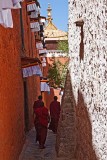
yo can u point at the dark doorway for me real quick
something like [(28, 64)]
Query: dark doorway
[(26, 108)]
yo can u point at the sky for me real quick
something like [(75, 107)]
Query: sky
[(59, 12)]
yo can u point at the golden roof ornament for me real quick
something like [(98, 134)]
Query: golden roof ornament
[(49, 13), (51, 31)]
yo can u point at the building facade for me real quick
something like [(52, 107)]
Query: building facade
[(19, 87)]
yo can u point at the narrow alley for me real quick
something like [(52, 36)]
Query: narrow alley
[(53, 80), (31, 149), (60, 146)]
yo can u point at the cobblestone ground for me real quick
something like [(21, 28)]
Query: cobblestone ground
[(31, 149)]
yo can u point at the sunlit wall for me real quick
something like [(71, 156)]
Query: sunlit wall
[(89, 74)]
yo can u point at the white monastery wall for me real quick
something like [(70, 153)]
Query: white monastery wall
[(89, 75)]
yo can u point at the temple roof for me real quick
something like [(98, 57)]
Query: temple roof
[(55, 35), (50, 26), (51, 32)]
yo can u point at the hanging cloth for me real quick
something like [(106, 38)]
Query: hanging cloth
[(15, 2), (32, 7), (42, 51), (0, 5), (37, 70), (34, 14), (5, 12), (6, 4), (45, 87), (25, 72), (33, 70), (35, 27), (43, 62), (9, 4), (6, 18), (39, 45)]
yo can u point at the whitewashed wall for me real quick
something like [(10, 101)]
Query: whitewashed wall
[(90, 75)]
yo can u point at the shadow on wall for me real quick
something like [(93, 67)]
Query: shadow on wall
[(66, 143), (84, 146)]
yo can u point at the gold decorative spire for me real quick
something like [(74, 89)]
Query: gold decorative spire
[(49, 13), (51, 31)]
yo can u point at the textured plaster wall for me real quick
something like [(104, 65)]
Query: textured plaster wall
[(29, 47), (12, 121), (89, 76), (33, 84), (11, 92), (29, 50)]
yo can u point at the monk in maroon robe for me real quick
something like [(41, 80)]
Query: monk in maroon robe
[(41, 123), (37, 103), (54, 114)]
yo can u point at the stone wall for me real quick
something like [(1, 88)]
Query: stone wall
[(87, 25), (66, 135)]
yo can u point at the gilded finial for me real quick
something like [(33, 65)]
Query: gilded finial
[(49, 13)]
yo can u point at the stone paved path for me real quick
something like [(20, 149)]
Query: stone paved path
[(31, 150)]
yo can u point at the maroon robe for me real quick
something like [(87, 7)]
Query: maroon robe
[(37, 104), (41, 123), (54, 113)]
